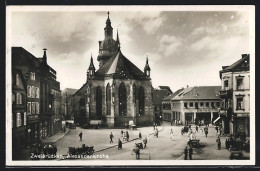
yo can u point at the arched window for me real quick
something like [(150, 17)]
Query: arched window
[(141, 101), (82, 102), (108, 99), (99, 101), (122, 100), (134, 93)]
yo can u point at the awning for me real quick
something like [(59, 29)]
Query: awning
[(216, 120)]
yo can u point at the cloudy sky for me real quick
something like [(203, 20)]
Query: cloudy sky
[(184, 47)]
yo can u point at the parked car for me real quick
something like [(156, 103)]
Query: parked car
[(86, 126), (72, 126), (236, 150)]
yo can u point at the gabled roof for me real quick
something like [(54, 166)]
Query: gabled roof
[(172, 95), (242, 64), (119, 65), (199, 93), (166, 87), (158, 95)]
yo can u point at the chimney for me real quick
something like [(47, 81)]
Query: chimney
[(244, 55), (44, 55)]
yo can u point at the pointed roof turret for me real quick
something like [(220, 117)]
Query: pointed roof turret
[(44, 55), (147, 68), (108, 22), (117, 38), (91, 66)]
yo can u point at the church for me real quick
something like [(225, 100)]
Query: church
[(117, 92)]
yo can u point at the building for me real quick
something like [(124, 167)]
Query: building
[(158, 95), (118, 92), (43, 94), (19, 116), (193, 105), (66, 105), (235, 93), (167, 114)]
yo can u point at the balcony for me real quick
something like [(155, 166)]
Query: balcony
[(225, 94)]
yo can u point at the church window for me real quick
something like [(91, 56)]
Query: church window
[(108, 99), (99, 101), (122, 100), (141, 101), (134, 93)]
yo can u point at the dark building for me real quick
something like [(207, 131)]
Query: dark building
[(43, 94), (235, 93), (19, 116), (118, 92), (66, 105), (158, 95)]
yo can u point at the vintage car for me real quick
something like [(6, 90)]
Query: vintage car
[(83, 150), (72, 126), (49, 150)]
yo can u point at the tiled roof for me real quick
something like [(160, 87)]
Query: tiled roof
[(167, 88), (234, 65), (172, 95), (118, 64), (201, 92), (158, 95)]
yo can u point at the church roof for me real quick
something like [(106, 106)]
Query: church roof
[(120, 66)]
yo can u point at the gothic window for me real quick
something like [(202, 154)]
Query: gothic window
[(122, 100), (134, 93), (99, 101), (108, 99), (82, 102), (141, 101)]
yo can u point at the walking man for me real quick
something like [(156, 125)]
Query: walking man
[(140, 135), (186, 153), (197, 128), (190, 153), (119, 144), (80, 136), (145, 142), (171, 134), (127, 135), (219, 143), (111, 137), (206, 133)]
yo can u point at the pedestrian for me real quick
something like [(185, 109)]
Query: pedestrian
[(218, 143), (140, 135), (111, 137), (171, 134), (119, 144), (80, 136), (153, 126), (190, 152), (145, 142), (137, 152), (127, 135), (206, 133), (197, 128), (186, 153), (122, 132)]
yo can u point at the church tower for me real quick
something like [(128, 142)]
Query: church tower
[(147, 69), (91, 68), (108, 47)]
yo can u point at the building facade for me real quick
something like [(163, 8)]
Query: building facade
[(193, 105), (66, 103), (42, 102), (19, 115), (235, 93), (118, 92)]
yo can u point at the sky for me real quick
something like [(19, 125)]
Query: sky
[(183, 47)]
